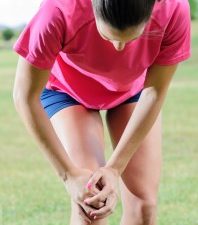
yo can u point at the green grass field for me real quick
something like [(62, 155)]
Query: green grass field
[(31, 193)]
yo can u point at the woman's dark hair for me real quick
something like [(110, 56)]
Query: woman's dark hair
[(122, 14)]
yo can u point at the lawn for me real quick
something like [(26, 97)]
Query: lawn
[(31, 193)]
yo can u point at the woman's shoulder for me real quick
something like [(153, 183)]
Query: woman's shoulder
[(165, 10), (75, 13), (72, 14), (168, 7), (75, 10)]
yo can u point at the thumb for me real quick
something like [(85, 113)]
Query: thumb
[(91, 184)]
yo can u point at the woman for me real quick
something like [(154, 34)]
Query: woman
[(79, 57)]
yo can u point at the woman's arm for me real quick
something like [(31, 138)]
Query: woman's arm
[(143, 118), (29, 82), (144, 115)]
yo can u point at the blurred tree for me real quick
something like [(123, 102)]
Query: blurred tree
[(7, 34), (194, 8)]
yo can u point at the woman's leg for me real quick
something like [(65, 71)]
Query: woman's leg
[(140, 180), (81, 132)]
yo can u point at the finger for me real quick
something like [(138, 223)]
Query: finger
[(88, 209), (102, 217), (100, 197), (107, 209), (97, 205), (83, 214), (94, 180)]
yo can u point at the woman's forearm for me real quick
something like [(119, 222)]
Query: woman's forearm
[(144, 116), (38, 124)]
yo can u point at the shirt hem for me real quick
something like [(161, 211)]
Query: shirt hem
[(94, 107), (22, 52), (175, 60)]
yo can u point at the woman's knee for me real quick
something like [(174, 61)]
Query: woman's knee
[(139, 209), (142, 212), (149, 211)]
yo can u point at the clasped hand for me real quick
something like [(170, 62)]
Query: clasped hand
[(95, 193)]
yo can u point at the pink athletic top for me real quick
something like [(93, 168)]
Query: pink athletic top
[(63, 37)]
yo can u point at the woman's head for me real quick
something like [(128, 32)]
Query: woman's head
[(118, 20)]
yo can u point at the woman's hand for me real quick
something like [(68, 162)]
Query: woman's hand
[(76, 187), (107, 178)]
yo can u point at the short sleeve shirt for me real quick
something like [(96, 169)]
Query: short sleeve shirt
[(62, 37)]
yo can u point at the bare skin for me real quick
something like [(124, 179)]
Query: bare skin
[(140, 180)]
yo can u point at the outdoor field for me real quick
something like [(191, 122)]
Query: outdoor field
[(32, 194)]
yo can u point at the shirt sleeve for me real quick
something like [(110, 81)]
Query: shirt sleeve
[(43, 37), (176, 43)]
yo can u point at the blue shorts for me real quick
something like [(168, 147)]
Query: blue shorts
[(53, 101)]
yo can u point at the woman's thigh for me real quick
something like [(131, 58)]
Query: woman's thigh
[(140, 179), (80, 130)]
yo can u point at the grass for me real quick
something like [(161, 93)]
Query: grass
[(30, 192)]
